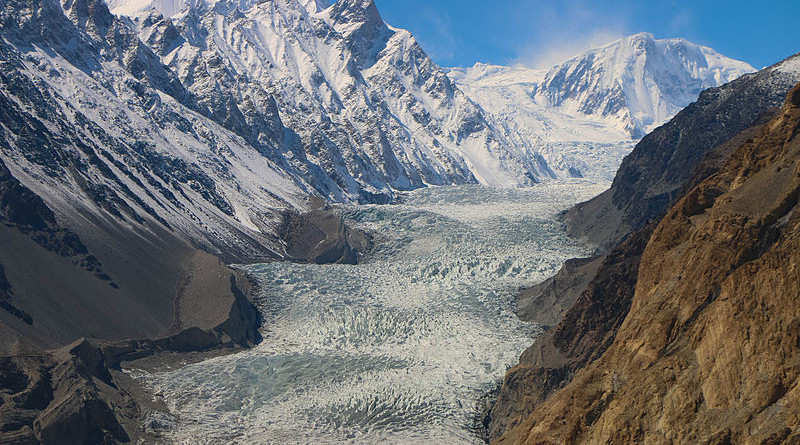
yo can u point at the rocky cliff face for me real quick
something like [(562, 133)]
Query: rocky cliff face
[(591, 322), (707, 351), (650, 177), (582, 334)]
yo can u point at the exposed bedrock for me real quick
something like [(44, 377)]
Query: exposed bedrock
[(708, 350), (666, 166), (322, 237)]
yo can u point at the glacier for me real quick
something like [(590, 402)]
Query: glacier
[(399, 349)]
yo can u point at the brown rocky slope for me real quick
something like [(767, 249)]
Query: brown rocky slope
[(598, 293), (710, 350), (585, 332), (651, 177)]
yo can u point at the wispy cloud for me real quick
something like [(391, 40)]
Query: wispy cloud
[(444, 42), (555, 51), (560, 30), (682, 21)]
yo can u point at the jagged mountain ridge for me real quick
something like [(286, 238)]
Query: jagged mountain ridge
[(366, 111), (588, 111), (633, 84), (336, 97)]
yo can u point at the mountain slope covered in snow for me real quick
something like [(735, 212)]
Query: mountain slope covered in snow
[(587, 110), (357, 110), (336, 97), (96, 125), (215, 120)]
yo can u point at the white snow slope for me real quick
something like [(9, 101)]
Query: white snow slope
[(94, 124), (588, 111)]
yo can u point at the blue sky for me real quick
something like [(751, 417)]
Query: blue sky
[(540, 33)]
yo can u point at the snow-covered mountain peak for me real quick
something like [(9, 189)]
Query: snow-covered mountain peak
[(172, 8), (357, 10), (349, 106), (167, 8), (609, 95), (644, 36), (789, 65), (639, 80), (353, 14), (355, 109), (361, 25)]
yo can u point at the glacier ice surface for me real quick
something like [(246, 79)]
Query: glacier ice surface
[(399, 349)]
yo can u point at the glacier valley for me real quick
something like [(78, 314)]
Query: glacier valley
[(398, 349)]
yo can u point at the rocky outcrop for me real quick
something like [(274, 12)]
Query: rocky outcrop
[(321, 237), (707, 351), (547, 302), (650, 178), (64, 397)]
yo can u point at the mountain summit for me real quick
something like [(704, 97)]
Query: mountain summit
[(639, 80), (356, 110), (348, 106), (586, 111)]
